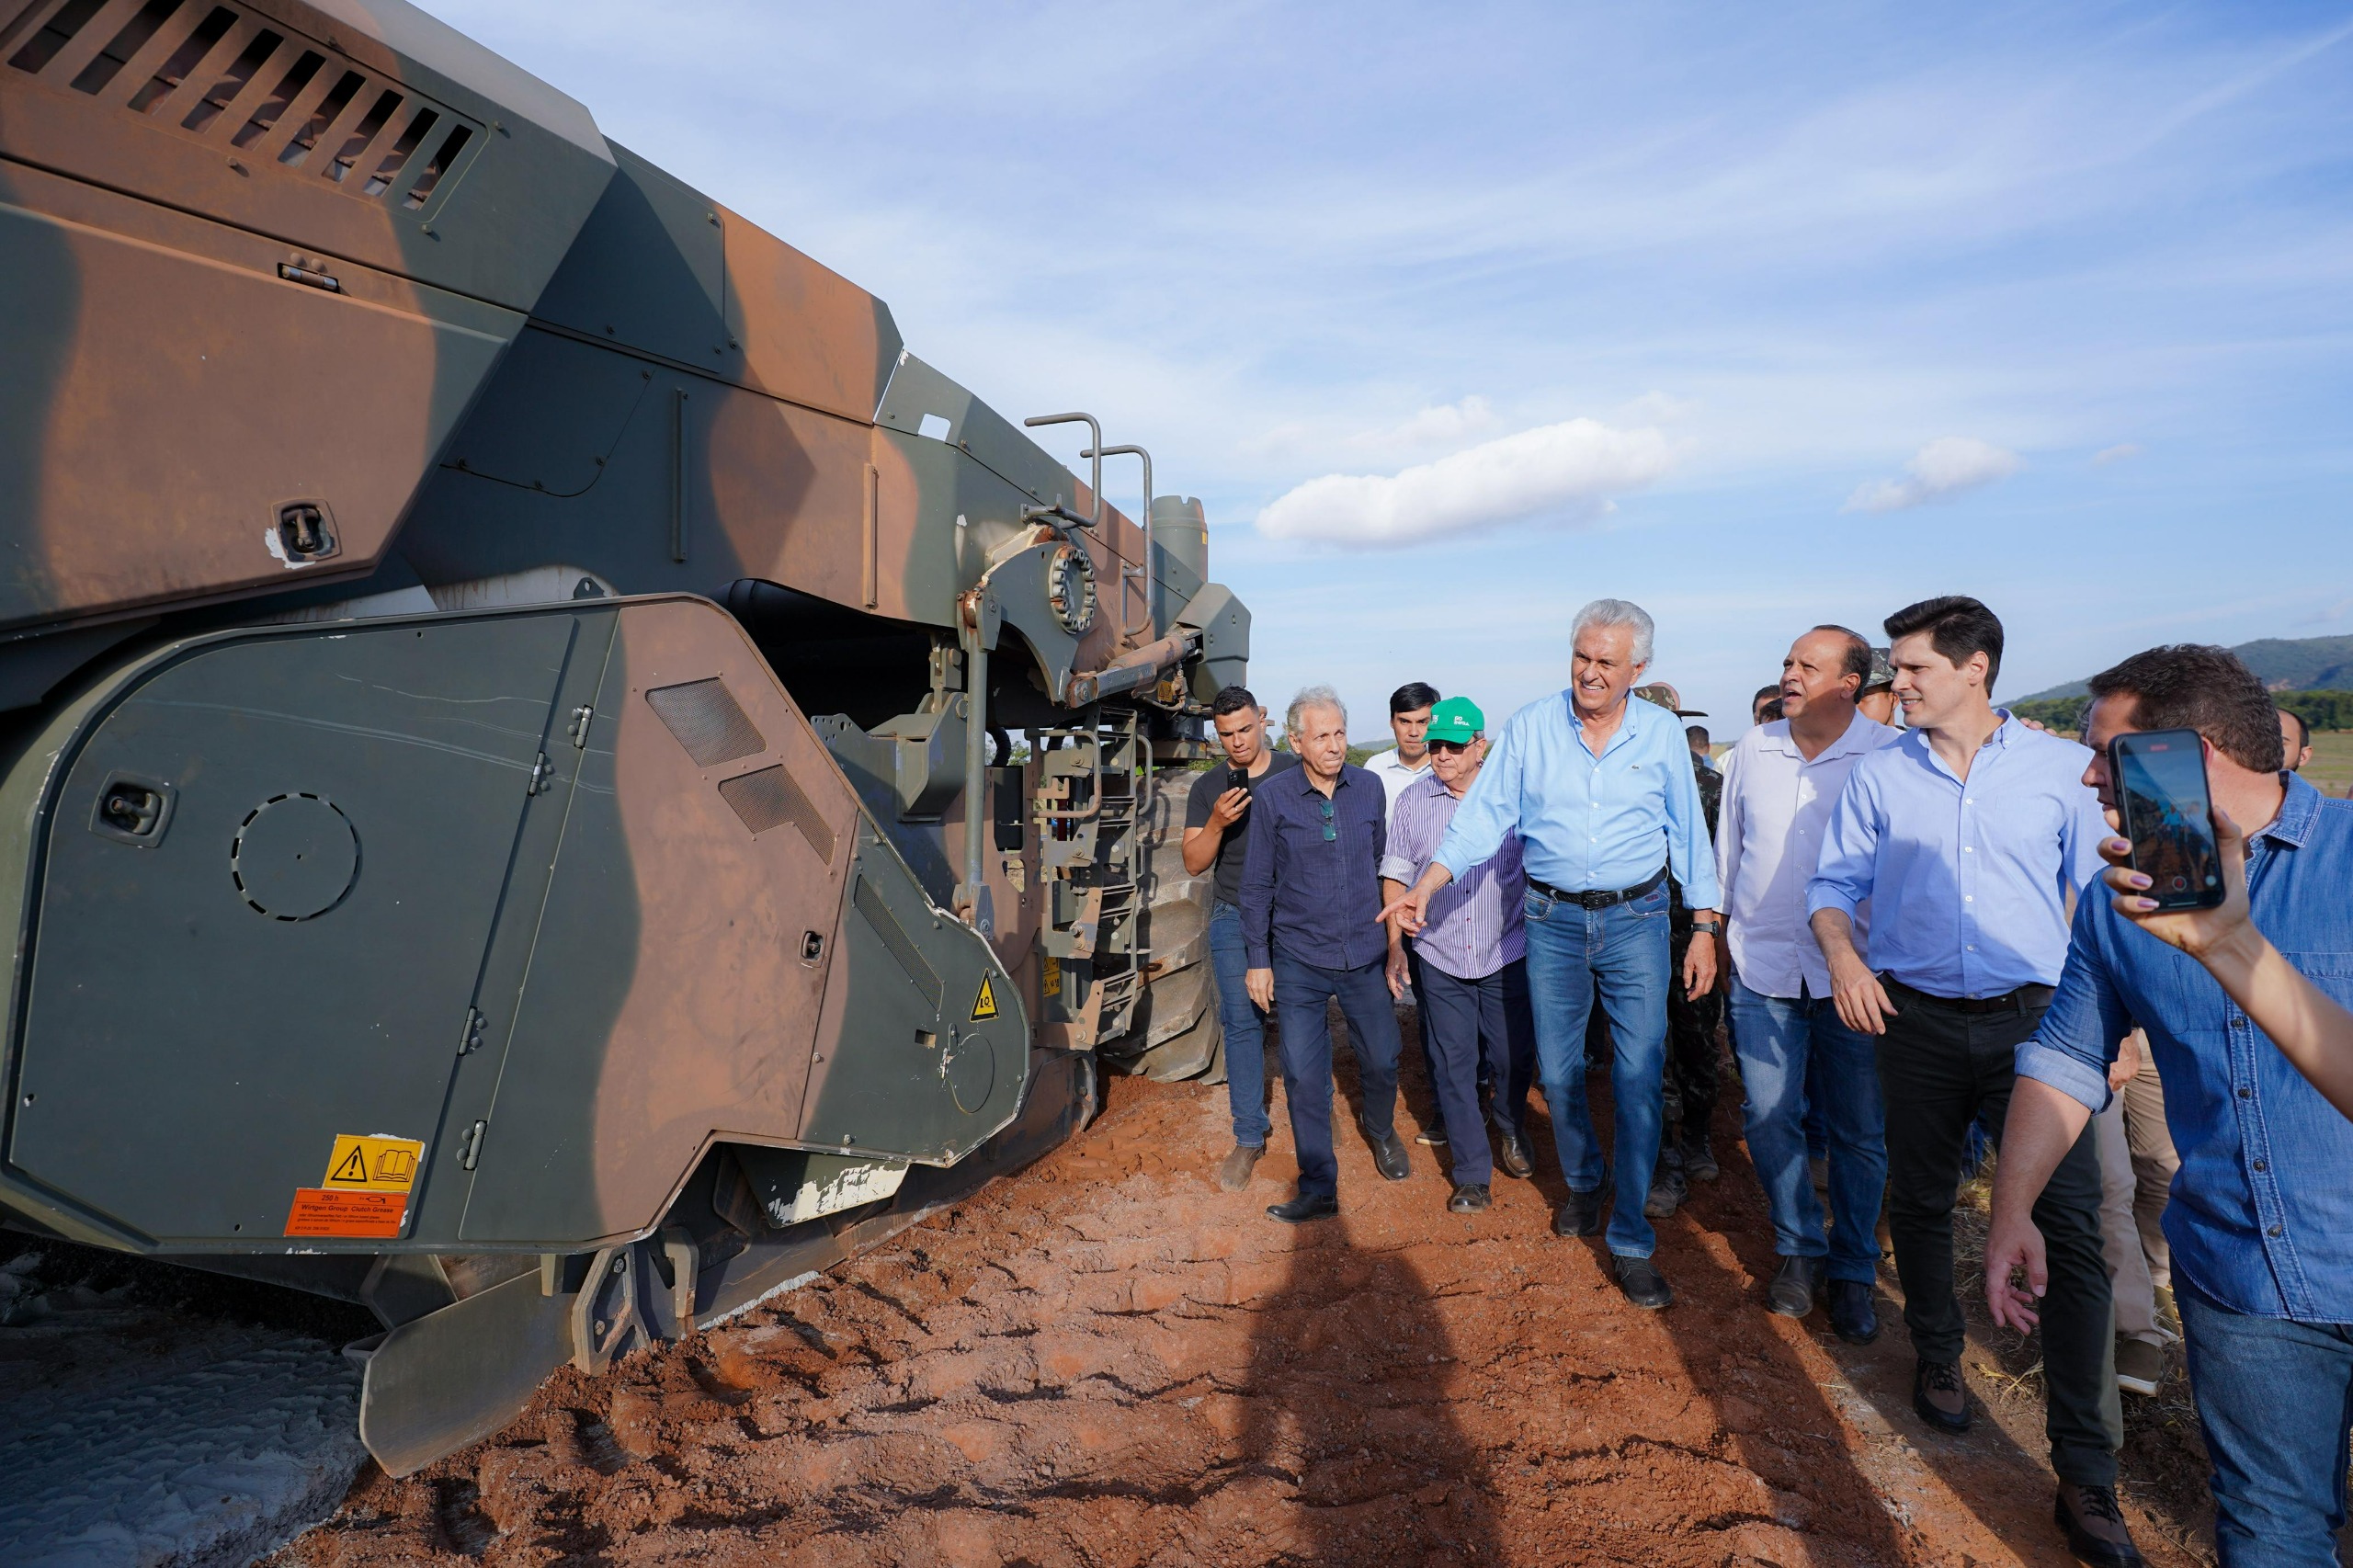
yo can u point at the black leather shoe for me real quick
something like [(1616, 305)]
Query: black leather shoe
[(1700, 1160), (1581, 1215), (1303, 1209), (1388, 1153), (1644, 1285), (1853, 1315), (1667, 1193), (1511, 1155), (2094, 1525), (1791, 1293), (1469, 1197), (1938, 1396)]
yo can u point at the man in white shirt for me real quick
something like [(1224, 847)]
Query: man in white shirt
[(1782, 780), (1408, 761)]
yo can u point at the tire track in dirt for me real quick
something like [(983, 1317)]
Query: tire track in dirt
[(1105, 1360)]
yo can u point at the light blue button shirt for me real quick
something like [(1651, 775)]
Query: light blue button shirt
[(1968, 882), (1588, 824)]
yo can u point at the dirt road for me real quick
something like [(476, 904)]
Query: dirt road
[(1105, 1360)]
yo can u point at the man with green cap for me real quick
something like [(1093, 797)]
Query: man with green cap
[(1473, 963)]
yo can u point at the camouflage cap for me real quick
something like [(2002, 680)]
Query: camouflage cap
[(1882, 675), (1666, 697)]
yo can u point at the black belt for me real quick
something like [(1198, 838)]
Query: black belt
[(2018, 1001), (1599, 900)]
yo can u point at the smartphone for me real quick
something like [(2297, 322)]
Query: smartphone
[(2159, 778), (1237, 778)]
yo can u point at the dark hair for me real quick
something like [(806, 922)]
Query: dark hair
[(1957, 625), (1412, 695), (2303, 731), (1696, 732), (1764, 691), (1233, 699), (1771, 713), (2193, 685), (1858, 654)]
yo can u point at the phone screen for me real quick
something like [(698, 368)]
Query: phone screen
[(2161, 793)]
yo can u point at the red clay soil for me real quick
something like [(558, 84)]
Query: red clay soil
[(1105, 1360)]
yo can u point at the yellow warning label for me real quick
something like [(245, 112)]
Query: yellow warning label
[(984, 1004), (1049, 975), (371, 1163)]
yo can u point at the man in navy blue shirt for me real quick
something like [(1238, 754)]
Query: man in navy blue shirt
[(1311, 900), (2261, 1216)]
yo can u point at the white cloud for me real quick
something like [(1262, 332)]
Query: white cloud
[(1571, 468), (2116, 454), (1444, 424), (1938, 471)]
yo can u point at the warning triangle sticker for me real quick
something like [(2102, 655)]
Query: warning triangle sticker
[(353, 1168), (984, 1004)]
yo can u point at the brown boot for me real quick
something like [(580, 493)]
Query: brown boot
[(1233, 1172)]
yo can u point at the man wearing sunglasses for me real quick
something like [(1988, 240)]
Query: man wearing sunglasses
[(1474, 972), (1311, 898)]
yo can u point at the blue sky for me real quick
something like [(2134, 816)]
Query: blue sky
[(1456, 317)]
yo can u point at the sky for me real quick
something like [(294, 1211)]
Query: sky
[(1456, 317)]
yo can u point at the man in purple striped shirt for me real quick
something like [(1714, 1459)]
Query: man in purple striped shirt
[(1474, 960)]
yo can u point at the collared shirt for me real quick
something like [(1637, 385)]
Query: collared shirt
[(1968, 882), (1776, 812), (1394, 776), (1310, 881), (2261, 1212), (1588, 824), (1473, 927)]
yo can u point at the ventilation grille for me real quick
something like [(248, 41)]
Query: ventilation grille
[(706, 722), (886, 925), (768, 799), (239, 81)]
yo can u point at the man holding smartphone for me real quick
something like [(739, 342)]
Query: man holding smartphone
[(1217, 832), (2261, 1221), (1968, 835)]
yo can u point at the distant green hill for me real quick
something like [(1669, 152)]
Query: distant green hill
[(2300, 663)]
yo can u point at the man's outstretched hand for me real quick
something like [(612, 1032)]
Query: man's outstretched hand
[(1410, 908)]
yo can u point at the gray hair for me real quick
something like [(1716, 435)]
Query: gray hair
[(1314, 697), (1617, 612)]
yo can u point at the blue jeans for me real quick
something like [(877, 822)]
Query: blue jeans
[(1301, 992), (1245, 1027), (1796, 1052), (2274, 1398), (1625, 948)]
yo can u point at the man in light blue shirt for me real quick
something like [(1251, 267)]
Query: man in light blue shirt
[(1600, 793), (1967, 836)]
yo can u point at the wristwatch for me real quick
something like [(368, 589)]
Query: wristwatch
[(1710, 926)]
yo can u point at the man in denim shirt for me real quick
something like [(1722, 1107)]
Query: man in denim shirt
[(2261, 1218), (1310, 898)]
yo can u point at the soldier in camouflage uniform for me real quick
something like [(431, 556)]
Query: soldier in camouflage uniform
[(1693, 1071)]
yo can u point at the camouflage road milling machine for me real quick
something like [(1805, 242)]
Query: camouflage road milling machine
[(506, 676)]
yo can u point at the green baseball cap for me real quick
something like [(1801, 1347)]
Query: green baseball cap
[(1457, 720)]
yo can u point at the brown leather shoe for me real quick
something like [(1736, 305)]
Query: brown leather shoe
[(1233, 1171), (2095, 1527)]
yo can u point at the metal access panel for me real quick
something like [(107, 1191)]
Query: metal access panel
[(272, 863)]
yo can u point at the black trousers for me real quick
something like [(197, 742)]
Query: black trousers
[(1939, 1069), (1471, 1028), (1694, 1065)]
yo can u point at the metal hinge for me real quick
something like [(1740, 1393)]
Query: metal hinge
[(470, 1145), (540, 771), (582, 717), (470, 1037)]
